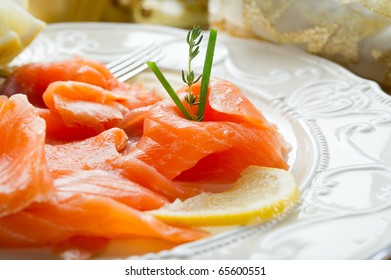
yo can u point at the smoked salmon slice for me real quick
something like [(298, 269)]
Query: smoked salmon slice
[(56, 129), (214, 150), (84, 105), (102, 152), (34, 78), (84, 98), (88, 154), (24, 173), (146, 175), (79, 109), (106, 184), (80, 214)]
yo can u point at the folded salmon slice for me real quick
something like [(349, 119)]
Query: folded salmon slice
[(80, 214), (146, 175), (233, 135), (79, 109), (24, 173), (33, 79), (84, 105), (106, 184), (91, 153), (82, 94), (56, 129), (103, 152)]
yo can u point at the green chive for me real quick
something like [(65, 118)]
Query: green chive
[(206, 74), (168, 88)]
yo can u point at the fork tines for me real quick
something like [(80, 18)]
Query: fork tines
[(133, 63)]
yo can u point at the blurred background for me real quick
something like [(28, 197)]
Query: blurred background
[(353, 33), (177, 13)]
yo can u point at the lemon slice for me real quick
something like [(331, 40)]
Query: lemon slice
[(17, 29), (259, 195), (10, 45)]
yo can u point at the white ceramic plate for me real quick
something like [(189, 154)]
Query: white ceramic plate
[(339, 127)]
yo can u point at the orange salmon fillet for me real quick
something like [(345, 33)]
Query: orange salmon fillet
[(84, 105), (83, 155), (91, 153), (80, 214), (56, 129), (84, 97), (34, 78), (106, 184), (217, 149), (24, 174)]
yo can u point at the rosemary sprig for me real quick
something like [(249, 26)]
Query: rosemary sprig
[(193, 39)]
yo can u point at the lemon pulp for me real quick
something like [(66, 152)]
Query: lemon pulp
[(259, 195)]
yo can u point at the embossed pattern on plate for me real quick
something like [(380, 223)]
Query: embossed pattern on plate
[(338, 124)]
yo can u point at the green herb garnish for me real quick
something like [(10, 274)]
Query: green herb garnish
[(171, 92), (206, 74), (193, 39)]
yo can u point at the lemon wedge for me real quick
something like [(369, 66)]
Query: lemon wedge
[(18, 28), (259, 195)]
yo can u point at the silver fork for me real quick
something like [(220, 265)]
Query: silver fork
[(134, 62)]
